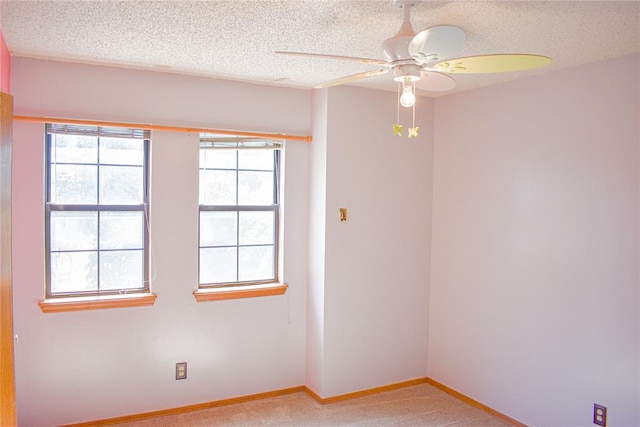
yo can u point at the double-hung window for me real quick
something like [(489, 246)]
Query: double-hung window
[(96, 210), (239, 210)]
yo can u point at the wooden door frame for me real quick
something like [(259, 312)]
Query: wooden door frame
[(7, 364)]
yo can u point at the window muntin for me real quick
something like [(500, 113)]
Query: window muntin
[(96, 210), (239, 211)]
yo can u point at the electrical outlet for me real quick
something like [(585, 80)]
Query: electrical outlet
[(181, 371), (599, 415)]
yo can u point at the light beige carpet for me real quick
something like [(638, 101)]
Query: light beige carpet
[(420, 405)]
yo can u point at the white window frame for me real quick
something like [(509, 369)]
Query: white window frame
[(217, 142), (98, 132)]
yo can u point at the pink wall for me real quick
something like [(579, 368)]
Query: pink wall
[(314, 372), (372, 278), (5, 66), (116, 94), (535, 277), (88, 365), (535, 249)]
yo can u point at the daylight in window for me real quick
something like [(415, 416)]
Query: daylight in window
[(239, 210), (96, 210)]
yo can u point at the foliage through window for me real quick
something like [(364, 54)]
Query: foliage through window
[(239, 210), (96, 210)]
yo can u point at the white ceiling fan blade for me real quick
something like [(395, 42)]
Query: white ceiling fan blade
[(379, 62), (433, 81), (437, 43), (352, 78), (498, 63)]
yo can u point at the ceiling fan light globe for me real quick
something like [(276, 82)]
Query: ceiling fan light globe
[(408, 98)]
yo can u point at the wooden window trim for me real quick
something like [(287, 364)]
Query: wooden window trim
[(238, 292), (152, 127), (59, 305)]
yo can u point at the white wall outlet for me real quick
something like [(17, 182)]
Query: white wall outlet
[(181, 371), (599, 415)]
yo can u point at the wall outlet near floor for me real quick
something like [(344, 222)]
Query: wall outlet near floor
[(599, 415), (181, 371)]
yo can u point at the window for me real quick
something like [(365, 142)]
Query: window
[(96, 211), (239, 210)]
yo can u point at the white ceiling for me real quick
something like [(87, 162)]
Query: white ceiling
[(236, 39)]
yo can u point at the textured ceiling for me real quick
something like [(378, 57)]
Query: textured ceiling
[(236, 39)]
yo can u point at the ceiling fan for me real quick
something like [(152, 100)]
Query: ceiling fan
[(428, 57)]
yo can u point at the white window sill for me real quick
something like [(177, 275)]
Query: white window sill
[(58, 305), (237, 292)]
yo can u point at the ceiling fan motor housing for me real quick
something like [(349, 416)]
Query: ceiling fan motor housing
[(396, 49), (406, 72)]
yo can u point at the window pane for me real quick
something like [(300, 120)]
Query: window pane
[(89, 250), (74, 149), (218, 228), (217, 159), (218, 265), (121, 270), (74, 184), (122, 151), (73, 230), (121, 185), (74, 271), (238, 245), (217, 187), (257, 228), (255, 188), (255, 159), (121, 230), (256, 263)]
